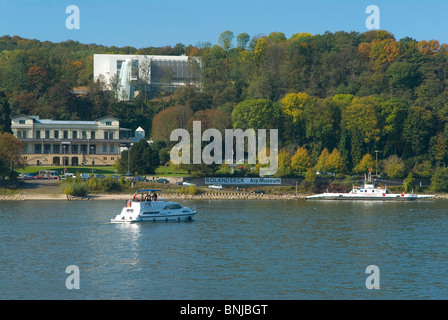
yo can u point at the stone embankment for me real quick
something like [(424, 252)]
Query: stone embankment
[(170, 196), (14, 197), (233, 196)]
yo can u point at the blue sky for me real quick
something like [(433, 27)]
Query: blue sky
[(141, 23)]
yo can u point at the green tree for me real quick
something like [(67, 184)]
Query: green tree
[(225, 40), (242, 40), (409, 183), (310, 176), (256, 114), (438, 149), (417, 129), (439, 180), (293, 105), (360, 117), (5, 112), (140, 158)]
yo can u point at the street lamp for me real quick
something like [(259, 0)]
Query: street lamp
[(92, 158), (63, 158), (376, 151), (129, 155)]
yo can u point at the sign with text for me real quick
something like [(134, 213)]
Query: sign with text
[(247, 181)]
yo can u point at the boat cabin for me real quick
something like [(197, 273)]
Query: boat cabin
[(369, 189)]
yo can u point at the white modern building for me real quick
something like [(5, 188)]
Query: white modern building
[(62, 142), (131, 75)]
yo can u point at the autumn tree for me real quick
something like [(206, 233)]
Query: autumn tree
[(335, 162), (301, 161), (284, 164), (167, 120), (11, 150), (322, 163), (211, 119), (365, 165)]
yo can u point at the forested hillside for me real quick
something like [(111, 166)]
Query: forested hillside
[(343, 93)]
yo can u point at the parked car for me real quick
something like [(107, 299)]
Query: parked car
[(215, 186), (114, 177), (100, 176), (27, 176), (187, 184), (161, 180), (85, 176), (179, 183), (139, 179), (259, 192), (68, 174)]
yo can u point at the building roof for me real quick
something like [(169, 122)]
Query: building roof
[(37, 119), (74, 122)]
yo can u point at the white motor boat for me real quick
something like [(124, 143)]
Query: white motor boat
[(145, 206), (368, 192)]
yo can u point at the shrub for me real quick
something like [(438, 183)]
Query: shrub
[(105, 185), (191, 190), (394, 167), (439, 180), (76, 189)]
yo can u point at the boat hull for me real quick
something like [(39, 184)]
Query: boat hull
[(155, 218), (144, 209), (388, 197)]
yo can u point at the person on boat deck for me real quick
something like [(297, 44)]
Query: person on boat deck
[(154, 197)]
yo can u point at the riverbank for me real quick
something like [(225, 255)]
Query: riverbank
[(168, 196)]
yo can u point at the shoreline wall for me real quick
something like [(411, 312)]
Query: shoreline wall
[(172, 196)]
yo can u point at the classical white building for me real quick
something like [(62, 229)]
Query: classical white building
[(134, 74), (62, 142)]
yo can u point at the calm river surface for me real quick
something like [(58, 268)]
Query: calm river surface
[(233, 250)]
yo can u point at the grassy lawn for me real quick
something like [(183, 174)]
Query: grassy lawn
[(164, 171), (9, 192), (167, 171), (106, 170)]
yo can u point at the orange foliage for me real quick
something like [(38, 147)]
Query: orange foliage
[(431, 47), (364, 49), (78, 64), (385, 50)]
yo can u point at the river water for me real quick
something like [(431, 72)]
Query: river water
[(277, 249)]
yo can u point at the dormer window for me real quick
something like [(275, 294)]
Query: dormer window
[(21, 121)]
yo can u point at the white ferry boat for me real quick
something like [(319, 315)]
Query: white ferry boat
[(145, 206), (368, 192)]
